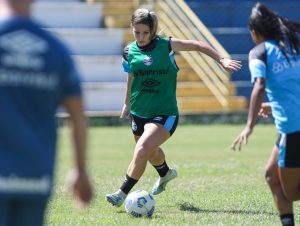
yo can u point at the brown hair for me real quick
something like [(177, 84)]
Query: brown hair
[(146, 17)]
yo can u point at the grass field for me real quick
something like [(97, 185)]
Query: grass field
[(215, 186)]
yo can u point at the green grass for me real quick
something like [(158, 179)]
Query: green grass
[(215, 186)]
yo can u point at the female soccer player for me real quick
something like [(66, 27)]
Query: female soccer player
[(151, 97), (275, 69)]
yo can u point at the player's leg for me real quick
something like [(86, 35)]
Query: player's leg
[(148, 144), (29, 212), (289, 163), (158, 159), (284, 206), (4, 212), (290, 180), (153, 136), (25, 212), (117, 198)]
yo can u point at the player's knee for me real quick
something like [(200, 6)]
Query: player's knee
[(140, 153), (143, 151), (271, 178)]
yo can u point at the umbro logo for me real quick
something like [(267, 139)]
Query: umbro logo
[(150, 83), (23, 42)]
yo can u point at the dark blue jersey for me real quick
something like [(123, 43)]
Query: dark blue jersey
[(36, 74)]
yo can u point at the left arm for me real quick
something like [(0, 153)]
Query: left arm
[(79, 181), (193, 45), (256, 100), (265, 110)]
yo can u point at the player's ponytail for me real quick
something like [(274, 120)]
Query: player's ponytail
[(149, 18), (289, 31), (272, 26)]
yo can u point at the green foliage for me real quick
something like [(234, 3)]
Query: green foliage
[(215, 186)]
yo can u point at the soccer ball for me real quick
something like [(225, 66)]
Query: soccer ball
[(140, 203)]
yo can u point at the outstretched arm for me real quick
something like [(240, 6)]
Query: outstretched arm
[(256, 100), (193, 45)]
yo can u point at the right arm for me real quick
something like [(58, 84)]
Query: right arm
[(257, 66), (126, 107), (256, 100)]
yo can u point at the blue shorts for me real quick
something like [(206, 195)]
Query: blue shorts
[(168, 121), (22, 213), (289, 150)]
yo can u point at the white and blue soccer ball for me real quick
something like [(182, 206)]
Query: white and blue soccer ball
[(140, 203)]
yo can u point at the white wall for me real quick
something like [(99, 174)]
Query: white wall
[(98, 41), (97, 51), (68, 14)]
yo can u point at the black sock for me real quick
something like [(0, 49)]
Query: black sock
[(162, 169), (287, 219), (128, 184)]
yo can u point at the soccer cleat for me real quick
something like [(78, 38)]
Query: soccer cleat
[(160, 184), (116, 199)]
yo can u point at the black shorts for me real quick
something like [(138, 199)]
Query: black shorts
[(289, 150), (168, 121)]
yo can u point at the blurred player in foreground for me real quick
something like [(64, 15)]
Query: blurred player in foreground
[(275, 69), (150, 100), (36, 75)]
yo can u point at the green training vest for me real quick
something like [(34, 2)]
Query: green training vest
[(153, 88)]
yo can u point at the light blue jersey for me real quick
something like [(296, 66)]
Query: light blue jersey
[(282, 83)]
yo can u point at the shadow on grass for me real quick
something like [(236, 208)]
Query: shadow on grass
[(121, 211), (188, 207)]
